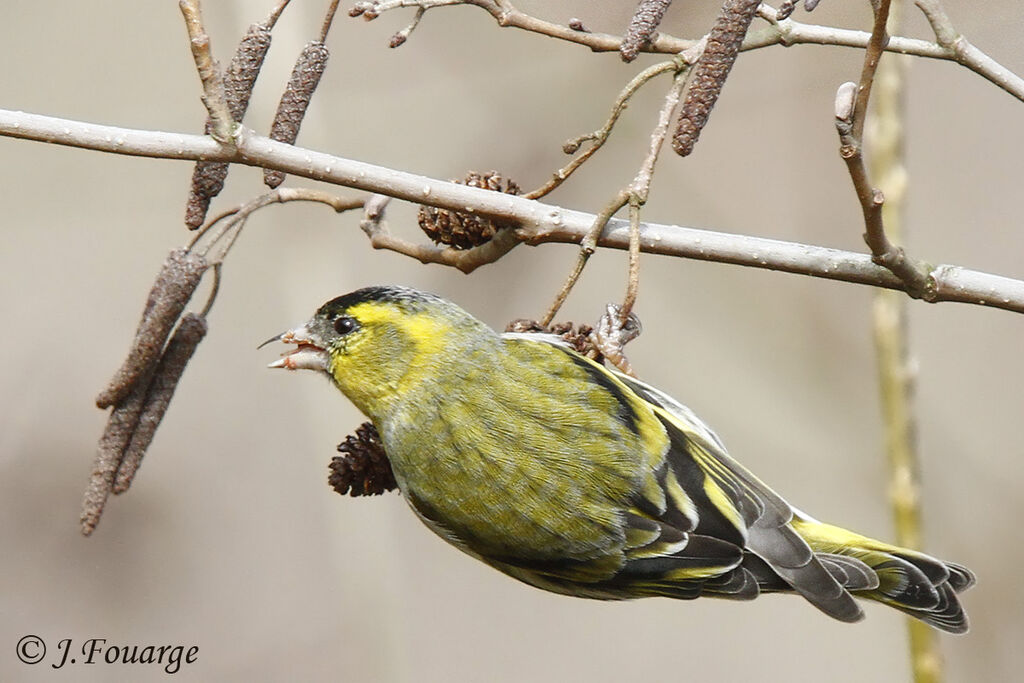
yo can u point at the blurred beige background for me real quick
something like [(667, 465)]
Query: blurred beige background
[(230, 538)]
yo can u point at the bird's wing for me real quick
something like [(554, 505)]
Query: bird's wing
[(662, 560), (732, 504)]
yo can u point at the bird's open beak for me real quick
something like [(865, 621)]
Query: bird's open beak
[(307, 356)]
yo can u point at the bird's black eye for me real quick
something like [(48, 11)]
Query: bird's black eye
[(344, 324)]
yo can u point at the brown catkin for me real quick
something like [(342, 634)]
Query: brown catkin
[(642, 26), (174, 285), (158, 395), (309, 67), (245, 68), (208, 176), (121, 424), (711, 71)]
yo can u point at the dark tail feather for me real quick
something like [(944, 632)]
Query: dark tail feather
[(849, 571), (960, 578), (914, 583), (948, 615)]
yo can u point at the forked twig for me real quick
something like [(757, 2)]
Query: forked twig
[(221, 124)]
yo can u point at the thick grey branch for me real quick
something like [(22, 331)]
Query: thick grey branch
[(538, 222)]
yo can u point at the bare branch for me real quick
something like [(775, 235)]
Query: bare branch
[(959, 49), (940, 22), (633, 279), (785, 32), (851, 112), (640, 189), (641, 186), (325, 28), (222, 126), (872, 54), (538, 222), (208, 177)]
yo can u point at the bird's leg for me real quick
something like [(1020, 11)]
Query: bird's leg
[(611, 335)]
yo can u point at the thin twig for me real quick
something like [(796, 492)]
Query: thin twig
[(537, 222), (633, 281), (325, 28), (275, 14), (851, 112), (214, 291), (641, 185), (640, 188), (466, 260), (401, 36), (222, 126), (218, 242), (600, 136), (587, 246), (872, 54), (785, 32), (956, 47), (635, 195)]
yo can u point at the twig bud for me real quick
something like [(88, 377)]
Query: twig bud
[(305, 78), (174, 285), (158, 395), (846, 99), (785, 9), (577, 25)]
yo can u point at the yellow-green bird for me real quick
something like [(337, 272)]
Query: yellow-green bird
[(580, 480)]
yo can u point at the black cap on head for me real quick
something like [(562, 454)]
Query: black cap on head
[(381, 293)]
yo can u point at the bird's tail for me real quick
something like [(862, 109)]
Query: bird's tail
[(912, 582)]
